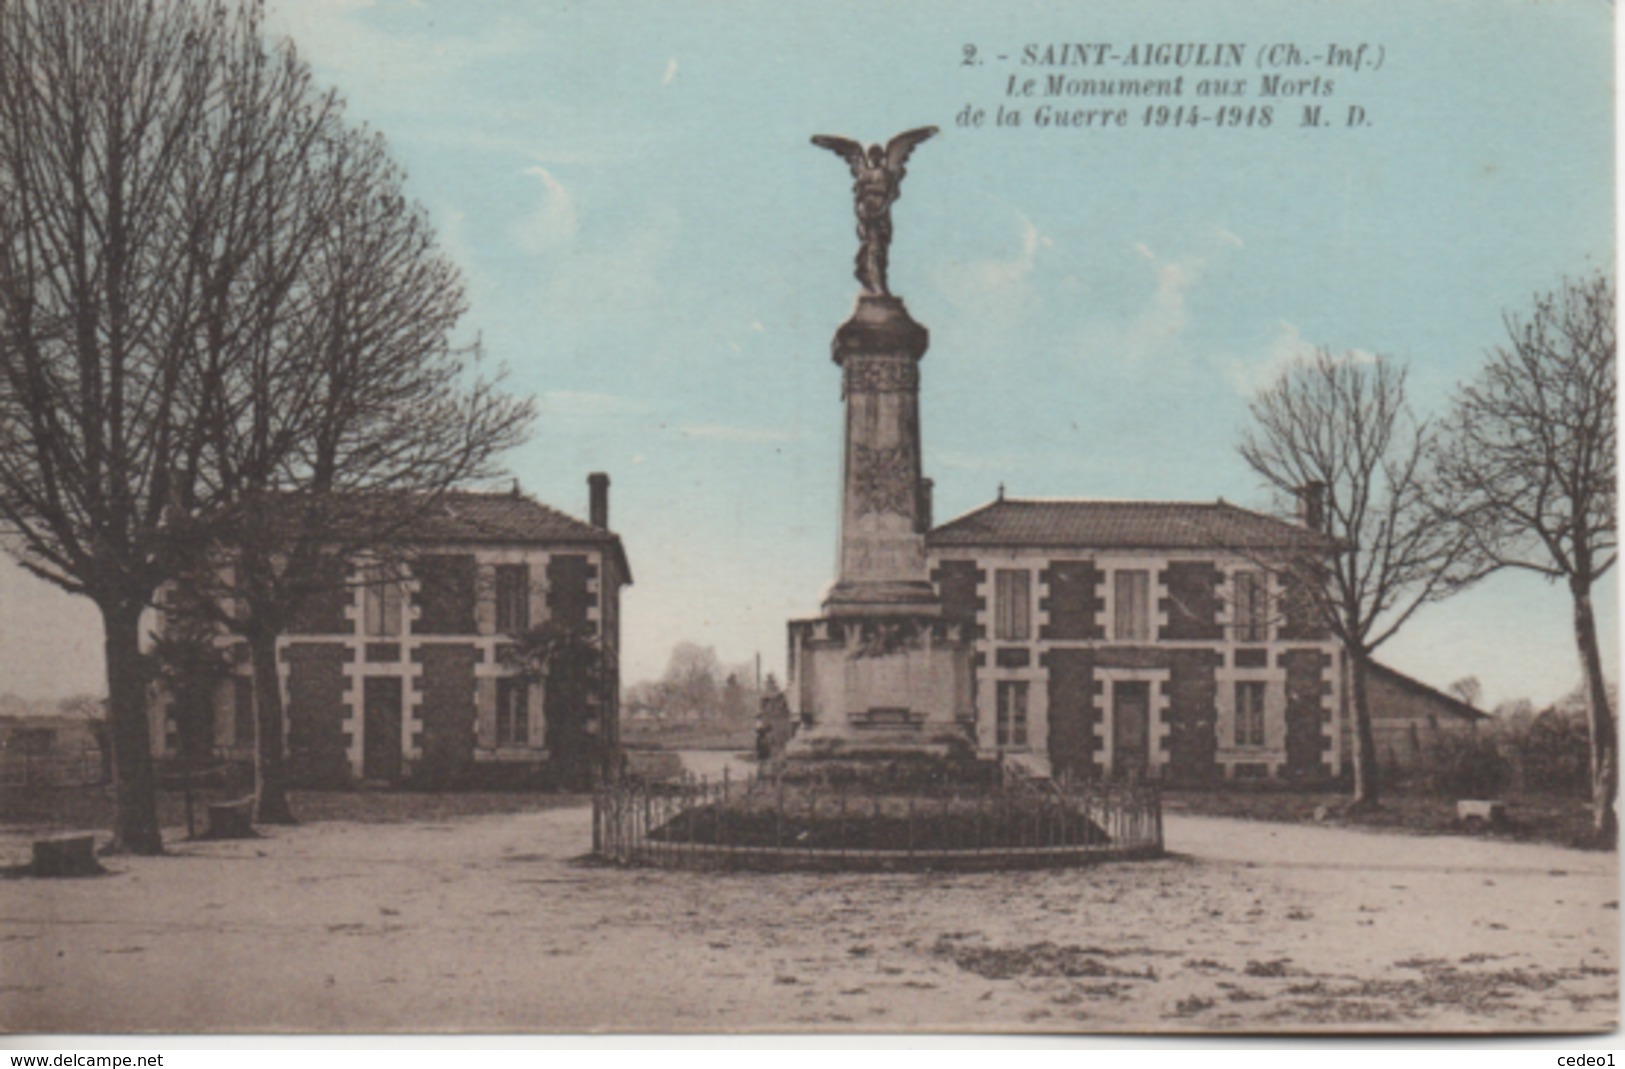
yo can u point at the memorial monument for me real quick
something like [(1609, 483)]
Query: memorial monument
[(880, 673), (883, 770)]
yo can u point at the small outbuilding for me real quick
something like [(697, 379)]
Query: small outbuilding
[(1408, 716)]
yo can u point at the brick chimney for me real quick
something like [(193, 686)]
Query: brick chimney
[(598, 500), (1312, 505), (922, 516)]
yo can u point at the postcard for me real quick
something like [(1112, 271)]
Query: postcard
[(537, 517)]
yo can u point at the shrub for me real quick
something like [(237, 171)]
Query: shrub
[(1465, 766), (1553, 753)]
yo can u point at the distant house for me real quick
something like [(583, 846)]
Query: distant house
[(395, 677), (1153, 639)]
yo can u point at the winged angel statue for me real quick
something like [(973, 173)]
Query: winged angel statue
[(879, 173)]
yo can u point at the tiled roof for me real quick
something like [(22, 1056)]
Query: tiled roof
[(1449, 702), (1122, 525), (467, 516)]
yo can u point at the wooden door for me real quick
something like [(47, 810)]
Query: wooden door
[(381, 729), (1131, 729)]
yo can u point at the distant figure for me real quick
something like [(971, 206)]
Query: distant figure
[(879, 173), (773, 724)]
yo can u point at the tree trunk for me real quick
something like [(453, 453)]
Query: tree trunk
[(1366, 794), (135, 798), (270, 768), (1599, 719)]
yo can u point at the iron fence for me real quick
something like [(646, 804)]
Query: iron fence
[(52, 769), (770, 823)]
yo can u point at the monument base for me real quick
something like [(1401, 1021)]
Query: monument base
[(898, 598), (881, 687)]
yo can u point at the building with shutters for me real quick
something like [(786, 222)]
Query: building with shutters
[(399, 674), (1144, 639)]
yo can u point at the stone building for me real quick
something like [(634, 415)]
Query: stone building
[(1143, 639), (398, 676)]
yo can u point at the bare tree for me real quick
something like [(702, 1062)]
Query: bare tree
[(341, 430), (1468, 689), (224, 339), (132, 138), (1527, 474), (1343, 423), (693, 679)]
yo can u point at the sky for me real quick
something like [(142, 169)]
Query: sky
[(656, 253)]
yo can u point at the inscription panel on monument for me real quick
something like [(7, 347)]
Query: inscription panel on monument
[(883, 556)]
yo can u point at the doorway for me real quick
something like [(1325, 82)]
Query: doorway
[(381, 729), (1131, 729)]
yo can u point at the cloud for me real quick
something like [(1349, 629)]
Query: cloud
[(671, 72), (349, 39), (1166, 317), (722, 432), (1155, 329), (1284, 348), (997, 289), (555, 222), (416, 72)]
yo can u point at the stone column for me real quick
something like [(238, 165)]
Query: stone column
[(882, 569)]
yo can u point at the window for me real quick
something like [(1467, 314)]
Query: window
[(1012, 605), (1250, 714), (381, 601), (1251, 608), (1012, 719), (513, 712), (513, 598), (242, 709), (1133, 609)]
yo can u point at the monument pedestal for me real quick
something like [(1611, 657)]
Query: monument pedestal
[(881, 687), (881, 674)]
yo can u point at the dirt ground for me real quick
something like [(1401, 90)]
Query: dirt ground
[(486, 924)]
